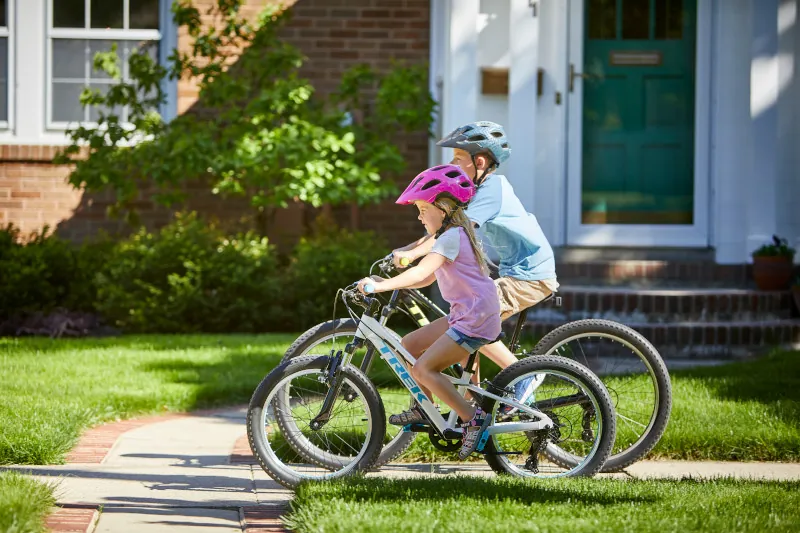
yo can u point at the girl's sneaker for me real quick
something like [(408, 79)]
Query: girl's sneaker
[(409, 416), (473, 430)]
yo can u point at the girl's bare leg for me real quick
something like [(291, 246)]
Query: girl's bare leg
[(443, 353)]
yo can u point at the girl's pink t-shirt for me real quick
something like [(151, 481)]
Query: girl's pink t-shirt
[(474, 304)]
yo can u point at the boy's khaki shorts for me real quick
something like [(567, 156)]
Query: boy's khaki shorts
[(516, 294)]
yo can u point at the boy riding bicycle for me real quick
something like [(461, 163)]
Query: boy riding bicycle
[(527, 264)]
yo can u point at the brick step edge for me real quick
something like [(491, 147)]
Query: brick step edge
[(72, 518), (777, 332), (665, 301)]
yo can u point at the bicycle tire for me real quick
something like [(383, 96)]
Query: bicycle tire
[(549, 345), (604, 407), (269, 461), (325, 331)]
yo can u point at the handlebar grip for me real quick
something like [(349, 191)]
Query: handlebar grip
[(369, 288), (404, 261)]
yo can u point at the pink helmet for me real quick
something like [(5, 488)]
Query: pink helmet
[(443, 179)]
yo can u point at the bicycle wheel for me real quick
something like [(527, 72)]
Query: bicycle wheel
[(320, 340), (568, 392), (350, 441), (632, 371)]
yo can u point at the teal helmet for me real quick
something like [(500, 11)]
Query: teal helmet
[(479, 138)]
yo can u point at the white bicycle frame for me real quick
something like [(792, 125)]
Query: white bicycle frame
[(389, 347)]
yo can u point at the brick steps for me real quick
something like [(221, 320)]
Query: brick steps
[(685, 322), (668, 305)]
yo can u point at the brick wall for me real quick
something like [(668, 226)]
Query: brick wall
[(337, 34), (334, 34)]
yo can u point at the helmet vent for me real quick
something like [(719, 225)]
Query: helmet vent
[(504, 145), (438, 168), (453, 174), (478, 137), (432, 183), (497, 134)]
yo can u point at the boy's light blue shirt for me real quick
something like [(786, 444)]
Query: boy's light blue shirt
[(514, 233)]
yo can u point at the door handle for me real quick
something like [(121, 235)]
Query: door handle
[(573, 75)]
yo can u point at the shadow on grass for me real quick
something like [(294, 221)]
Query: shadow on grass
[(360, 489)]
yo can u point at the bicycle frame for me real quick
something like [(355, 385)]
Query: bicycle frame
[(389, 348)]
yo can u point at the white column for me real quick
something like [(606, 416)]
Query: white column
[(732, 135), (551, 183), (29, 64), (461, 82), (522, 102), (762, 183)]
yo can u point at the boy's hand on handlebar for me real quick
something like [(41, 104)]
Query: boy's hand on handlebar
[(401, 259)]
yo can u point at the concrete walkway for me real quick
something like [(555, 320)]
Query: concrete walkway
[(195, 474)]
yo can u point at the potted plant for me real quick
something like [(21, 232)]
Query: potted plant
[(772, 265)]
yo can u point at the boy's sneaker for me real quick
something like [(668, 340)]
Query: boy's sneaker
[(523, 393), (472, 433)]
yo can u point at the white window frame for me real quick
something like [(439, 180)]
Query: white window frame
[(167, 40), (7, 32)]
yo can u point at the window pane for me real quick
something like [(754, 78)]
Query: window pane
[(106, 13), (69, 59), (635, 19), (4, 79), (69, 14), (96, 46), (669, 19), (144, 14), (94, 113), (66, 102), (602, 19), (3, 15)]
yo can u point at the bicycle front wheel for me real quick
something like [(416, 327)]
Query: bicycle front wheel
[(334, 335), (284, 437)]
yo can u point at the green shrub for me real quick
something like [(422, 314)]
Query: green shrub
[(190, 277), (330, 259), (44, 272)]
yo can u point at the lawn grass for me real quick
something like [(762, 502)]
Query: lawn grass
[(24, 503), (53, 389), (511, 504)]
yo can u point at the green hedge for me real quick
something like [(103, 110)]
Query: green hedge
[(189, 276)]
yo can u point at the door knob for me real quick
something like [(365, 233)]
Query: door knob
[(573, 75)]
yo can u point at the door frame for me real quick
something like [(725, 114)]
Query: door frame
[(640, 235)]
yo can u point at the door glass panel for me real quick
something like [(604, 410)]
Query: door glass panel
[(107, 14), (638, 117), (69, 14), (602, 19), (635, 19), (669, 19)]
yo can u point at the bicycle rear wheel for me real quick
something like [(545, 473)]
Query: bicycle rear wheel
[(568, 391), (634, 374)]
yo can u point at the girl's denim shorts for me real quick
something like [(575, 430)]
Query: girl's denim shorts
[(470, 344)]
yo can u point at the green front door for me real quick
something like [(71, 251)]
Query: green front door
[(638, 112)]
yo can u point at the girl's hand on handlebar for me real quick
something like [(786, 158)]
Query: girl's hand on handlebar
[(373, 282)]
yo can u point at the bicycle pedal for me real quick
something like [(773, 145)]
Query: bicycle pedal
[(482, 442), (416, 427)]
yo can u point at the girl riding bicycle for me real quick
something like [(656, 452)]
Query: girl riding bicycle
[(458, 263)]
